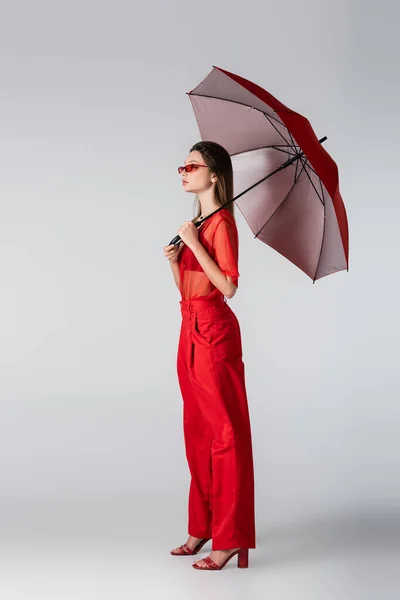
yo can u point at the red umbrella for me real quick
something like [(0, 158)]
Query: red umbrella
[(288, 183)]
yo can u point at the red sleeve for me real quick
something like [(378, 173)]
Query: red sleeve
[(226, 250)]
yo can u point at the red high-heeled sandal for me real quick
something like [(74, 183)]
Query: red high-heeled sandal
[(184, 550), (243, 561)]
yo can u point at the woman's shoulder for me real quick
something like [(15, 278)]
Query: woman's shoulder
[(225, 216), (224, 223)]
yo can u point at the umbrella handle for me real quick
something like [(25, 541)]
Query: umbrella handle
[(175, 241)]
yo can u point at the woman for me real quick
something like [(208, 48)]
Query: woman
[(210, 368)]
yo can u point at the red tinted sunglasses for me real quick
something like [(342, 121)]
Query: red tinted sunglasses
[(189, 168)]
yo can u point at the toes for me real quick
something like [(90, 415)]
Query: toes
[(200, 563)]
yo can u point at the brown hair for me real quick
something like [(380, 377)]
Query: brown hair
[(219, 162)]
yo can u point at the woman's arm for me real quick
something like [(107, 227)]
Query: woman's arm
[(216, 276), (175, 272), (172, 253)]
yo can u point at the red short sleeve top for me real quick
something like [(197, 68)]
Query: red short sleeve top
[(219, 236)]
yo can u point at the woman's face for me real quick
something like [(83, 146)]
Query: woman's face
[(198, 180)]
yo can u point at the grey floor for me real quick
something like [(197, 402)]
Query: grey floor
[(119, 549)]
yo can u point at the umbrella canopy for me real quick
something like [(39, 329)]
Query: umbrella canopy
[(298, 211)]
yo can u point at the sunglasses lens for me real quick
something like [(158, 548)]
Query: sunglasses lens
[(187, 168)]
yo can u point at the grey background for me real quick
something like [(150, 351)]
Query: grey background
[(94, 120)]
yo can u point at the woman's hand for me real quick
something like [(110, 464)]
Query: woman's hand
[(189, 234), (172, 251)]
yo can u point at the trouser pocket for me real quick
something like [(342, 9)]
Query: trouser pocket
[(203, 329)]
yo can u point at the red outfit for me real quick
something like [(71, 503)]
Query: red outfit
[(215, 410)]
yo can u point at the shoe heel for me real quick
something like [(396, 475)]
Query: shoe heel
[(243, 558)]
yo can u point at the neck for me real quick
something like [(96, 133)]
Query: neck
[(208, 203)]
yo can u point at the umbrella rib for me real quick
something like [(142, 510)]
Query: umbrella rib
[(294, 146), (274, 147), (293, 143), (296, 153), (312, 183), (322, 189), (297, 177), (236, 102), (277, 130), (309, 165), (291, 137), (297, 167), (277, 146), (284, 151), (278, 207), (301, 157), (322, 240)]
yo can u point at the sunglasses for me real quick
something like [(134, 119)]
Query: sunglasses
[(189, 168)]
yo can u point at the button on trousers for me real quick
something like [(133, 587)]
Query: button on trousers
[(216, 424)]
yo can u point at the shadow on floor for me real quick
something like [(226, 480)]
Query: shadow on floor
[(328, 535)]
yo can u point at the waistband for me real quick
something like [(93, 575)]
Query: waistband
[(202, 303)]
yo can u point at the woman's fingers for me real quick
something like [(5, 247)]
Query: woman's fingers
[(173, 248), (172, 251)]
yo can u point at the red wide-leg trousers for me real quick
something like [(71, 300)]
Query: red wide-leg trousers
[(216, 424)]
